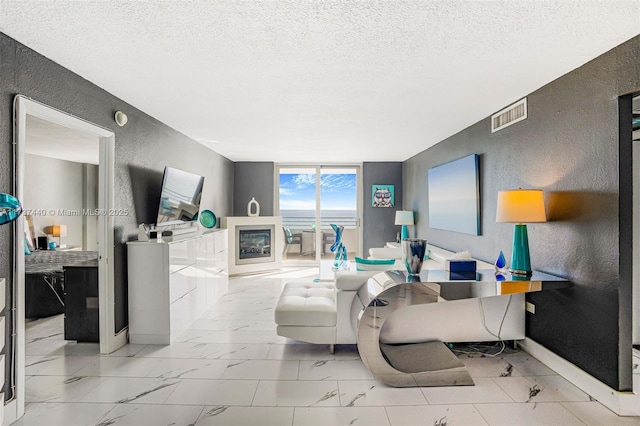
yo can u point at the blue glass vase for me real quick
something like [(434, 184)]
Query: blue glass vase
[(501, 263), (413, 253), (340, 260)]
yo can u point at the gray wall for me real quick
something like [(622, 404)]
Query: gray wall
[(142, 148), (254, 179), (90, 201), (378, 223), (50, 183), (568, 146)]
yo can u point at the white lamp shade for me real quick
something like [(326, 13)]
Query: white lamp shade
[(520, 206), (404, 217)]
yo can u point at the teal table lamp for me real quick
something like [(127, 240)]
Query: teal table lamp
[(404, 218), (519, 206)]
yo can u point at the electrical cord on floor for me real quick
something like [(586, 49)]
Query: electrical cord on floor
[(484, 320), (483, 349), (477, 351)]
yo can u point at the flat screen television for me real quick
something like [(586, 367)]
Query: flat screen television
[(454, 196), (180, 197)]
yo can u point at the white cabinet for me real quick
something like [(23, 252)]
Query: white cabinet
[(173, 282)]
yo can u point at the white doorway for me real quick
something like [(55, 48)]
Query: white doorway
[(635, 295), (25, 109), (635, 329)]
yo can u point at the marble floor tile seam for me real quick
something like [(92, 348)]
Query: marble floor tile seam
[(260, 382), (565, 411), (220, 379), (232, 379), (255, 392), (176, 404), (510, 403), (611, 416), (475, 406), (297, 414), (89, 388), (498, 374), (535, 390)]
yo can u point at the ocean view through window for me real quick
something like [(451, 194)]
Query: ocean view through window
[(310, 199), (338, 199)]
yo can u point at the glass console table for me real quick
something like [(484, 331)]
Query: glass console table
[(428, 363)]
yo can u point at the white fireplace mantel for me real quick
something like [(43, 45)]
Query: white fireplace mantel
[(234, 223)]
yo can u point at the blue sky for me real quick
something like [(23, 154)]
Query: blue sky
[(298, 191)]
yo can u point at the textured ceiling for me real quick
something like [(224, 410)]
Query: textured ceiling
[(320, 81)]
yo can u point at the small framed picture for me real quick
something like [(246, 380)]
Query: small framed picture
[(382, 196)]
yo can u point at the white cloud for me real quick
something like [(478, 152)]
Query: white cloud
[(304, 180), (335, 183)]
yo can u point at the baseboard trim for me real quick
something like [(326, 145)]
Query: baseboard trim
[(621, 403)]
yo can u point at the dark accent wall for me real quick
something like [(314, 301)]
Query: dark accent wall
[(142, 148), (569, 147), (378, 223), (254, 179)]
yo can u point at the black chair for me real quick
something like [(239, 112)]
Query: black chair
[(290, 238), (328, 238)]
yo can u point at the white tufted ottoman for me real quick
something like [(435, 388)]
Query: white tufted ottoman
[(307, 311)]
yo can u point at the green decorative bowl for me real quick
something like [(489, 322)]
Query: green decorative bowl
[(208, 219)]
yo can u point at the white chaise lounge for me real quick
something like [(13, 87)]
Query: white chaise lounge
[(320, 312)]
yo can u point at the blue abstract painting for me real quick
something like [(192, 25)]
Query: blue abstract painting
[(454, 196)]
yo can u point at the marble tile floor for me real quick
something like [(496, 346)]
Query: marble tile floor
[(231, 368)]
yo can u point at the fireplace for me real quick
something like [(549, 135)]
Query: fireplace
[(254, 244)]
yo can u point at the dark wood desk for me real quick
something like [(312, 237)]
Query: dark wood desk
[(81, 319)]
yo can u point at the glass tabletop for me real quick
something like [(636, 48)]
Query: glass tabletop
[(482, 283)]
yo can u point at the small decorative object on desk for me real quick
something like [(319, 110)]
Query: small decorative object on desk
[(340, 261), (413, 251), (143, 232), (208, 219), (501, 263), (251, 203)]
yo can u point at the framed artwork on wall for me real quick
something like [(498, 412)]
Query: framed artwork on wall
[(454, 196), (382, 196)]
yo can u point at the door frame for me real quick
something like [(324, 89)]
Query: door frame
[(109, 339), (635, 291)]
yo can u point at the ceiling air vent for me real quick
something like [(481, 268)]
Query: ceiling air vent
[(509, 115)]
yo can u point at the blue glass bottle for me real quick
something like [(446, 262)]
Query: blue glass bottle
[(501, 263)]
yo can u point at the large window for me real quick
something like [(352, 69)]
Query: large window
[(308, 209)]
